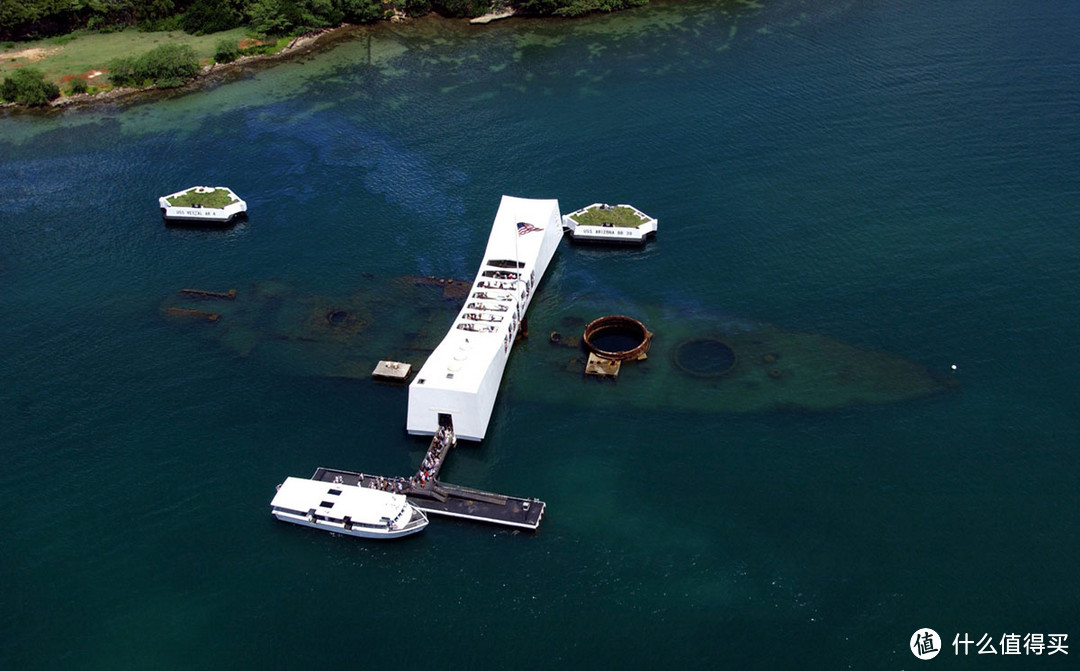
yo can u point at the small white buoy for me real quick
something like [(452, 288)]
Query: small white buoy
[(954, 366)]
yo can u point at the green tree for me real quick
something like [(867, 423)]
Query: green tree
[(13, 14), (209, 16), (168, 62), (122, 71), (159, 15), (152, 10), (28, 86), (361, 11), (168, 65), (574, 7), (292, 17), (226, 51), (417, 7), (460, 8)]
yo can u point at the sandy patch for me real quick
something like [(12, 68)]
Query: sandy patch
[(32, 55)]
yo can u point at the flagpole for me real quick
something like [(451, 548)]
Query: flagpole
[(517, 266)]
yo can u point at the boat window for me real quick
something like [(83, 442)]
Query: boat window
[(335, 492), (504, 263), (290, 511), (327, 504)]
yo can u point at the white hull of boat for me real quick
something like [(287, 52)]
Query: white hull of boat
[(359, 532), (346, 509)]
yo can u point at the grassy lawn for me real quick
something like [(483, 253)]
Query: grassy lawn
[(80, 53), (217, 198), (617, 216)]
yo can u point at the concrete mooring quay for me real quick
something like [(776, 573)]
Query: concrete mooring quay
[(425, 491)]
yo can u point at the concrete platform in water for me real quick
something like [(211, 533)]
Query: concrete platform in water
[(202, 206), (610, 224)]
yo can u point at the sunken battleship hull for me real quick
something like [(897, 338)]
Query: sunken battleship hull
[(697, 360)]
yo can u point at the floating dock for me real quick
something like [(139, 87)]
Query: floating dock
[(392, 371), (471, 504), (425, 491), (453, 500)]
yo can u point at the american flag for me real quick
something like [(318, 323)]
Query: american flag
[(525, 227)]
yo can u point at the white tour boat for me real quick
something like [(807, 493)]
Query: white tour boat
[(458, 383), (346, 509), (186, 206)]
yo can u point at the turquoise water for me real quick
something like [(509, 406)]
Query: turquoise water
[(899, 178)]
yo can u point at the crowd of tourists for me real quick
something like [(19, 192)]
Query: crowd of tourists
[(429, 467)]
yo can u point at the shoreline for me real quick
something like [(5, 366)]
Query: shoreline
[(211, 73)]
